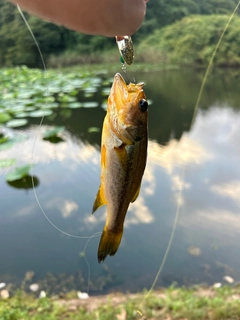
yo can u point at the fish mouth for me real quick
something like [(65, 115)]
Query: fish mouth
[(119, 78)]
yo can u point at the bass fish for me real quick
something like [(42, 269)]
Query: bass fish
[(123, 159)]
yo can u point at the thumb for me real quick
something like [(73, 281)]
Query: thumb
[(105, 17)]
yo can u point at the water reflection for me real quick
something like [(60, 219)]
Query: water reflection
[(70, 173)]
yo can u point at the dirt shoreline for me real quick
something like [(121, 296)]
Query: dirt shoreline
[(116, 299)]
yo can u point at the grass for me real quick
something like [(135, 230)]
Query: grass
[(110, 60), (172, 303)]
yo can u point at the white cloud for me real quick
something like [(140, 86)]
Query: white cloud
[(178, 153), (230, 190)]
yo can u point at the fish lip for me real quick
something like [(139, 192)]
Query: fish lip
[(119, 77)]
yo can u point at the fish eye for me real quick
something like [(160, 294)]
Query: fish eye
[(143, 105)]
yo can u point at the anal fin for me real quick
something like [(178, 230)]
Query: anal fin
[(136, 194), (99, 200)]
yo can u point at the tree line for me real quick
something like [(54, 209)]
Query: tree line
[(17, 46)]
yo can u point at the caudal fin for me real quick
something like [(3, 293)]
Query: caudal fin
[(109, 244)]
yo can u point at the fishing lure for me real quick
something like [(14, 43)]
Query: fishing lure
[(125, 47)]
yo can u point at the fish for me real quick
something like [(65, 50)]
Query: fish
[(123, 159)]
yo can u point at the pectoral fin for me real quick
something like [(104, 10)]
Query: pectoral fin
[(136, 194), (99, 200), (122, 155)]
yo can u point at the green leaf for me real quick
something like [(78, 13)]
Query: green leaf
[(18, 173), (17, 123), (66, 98), (104, 106), (92, 104), (90, 90), (4, 117), (5, 163), (53, 132), (3, 139), (40, 113), (106, 91), (93, 129), (6, 145), (74, 105), (21, 115)]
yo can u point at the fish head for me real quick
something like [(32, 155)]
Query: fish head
[(128, 109)]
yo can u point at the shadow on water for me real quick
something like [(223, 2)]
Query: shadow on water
[(70, 172), (27, 182)]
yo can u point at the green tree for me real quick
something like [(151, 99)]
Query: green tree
[(17, 46), (193, 40)]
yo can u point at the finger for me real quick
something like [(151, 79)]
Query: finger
[(105, 17)]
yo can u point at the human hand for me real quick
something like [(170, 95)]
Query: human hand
[(96, 17)]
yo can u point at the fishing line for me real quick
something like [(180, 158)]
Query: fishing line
[(86, 260), (210, 64), (32, 157), (37, 133)]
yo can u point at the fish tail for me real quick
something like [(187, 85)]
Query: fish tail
[(109, 243)]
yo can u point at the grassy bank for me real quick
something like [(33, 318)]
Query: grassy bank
[(110, 60), (171, 303)]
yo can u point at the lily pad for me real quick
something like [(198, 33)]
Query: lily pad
[(53, 132), (66, 98), (92, 104), (106, 91), (21, 115), (4, 117), (107, 82), (51, 105), (95, 81), (104, 106), (93, 129), (18, 173), (17, 123), (5, 163), (90, 90), (6, 143), (24, 94), (40, 113), (74, 105), (30, 108), (3, 139), (88, 95)]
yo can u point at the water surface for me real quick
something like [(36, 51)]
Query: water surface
[(202, 161)]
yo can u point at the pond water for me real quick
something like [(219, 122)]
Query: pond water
[(202, 160)]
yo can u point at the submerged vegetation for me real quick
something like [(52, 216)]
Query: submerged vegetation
[(171, 303), (182, 31)]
